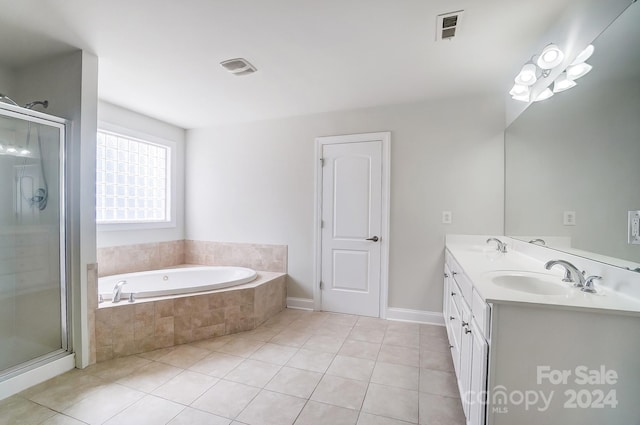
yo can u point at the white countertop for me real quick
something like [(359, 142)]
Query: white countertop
[(478, 260)]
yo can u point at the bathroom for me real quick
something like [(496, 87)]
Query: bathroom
[(246, 149)]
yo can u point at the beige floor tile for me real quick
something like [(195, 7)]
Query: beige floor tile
[(295, 382), (315, 413), (104, 403), (392, 402), (439, 383), (435, 344), (316, 361), (16, 409), (399, 355), (212, 344), (184, 356), (217, 364), (253, 372), (371, 322), (360, 349), (241, 347), (351, 367), (262, 333), (190, 416), (369, 419), (433, 331), (437, 410), (437, 360), (341, 392), (150, 410), (186, 387), (290, 338), (117, 368), (327, 344), (226, 398), (407, 377), (149, 377), (273, 353), (335, 330), (411, 340), (60, 419), (403, 327), (72, 375), (341, 319), (68, 391), (374, 335), (269, 408)]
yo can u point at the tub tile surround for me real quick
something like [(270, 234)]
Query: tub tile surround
[(158, 255), (215, 381), (146, 325)]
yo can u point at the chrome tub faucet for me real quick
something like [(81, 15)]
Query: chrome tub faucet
[(117, 291)]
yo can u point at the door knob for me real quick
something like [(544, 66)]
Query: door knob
[(374, 239)]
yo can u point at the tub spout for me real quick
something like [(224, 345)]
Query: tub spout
[(117, 291)]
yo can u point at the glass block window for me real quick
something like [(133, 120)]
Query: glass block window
[(132, 180)]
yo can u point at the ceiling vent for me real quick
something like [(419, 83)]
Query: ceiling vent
[(238, 66), (448, 25)]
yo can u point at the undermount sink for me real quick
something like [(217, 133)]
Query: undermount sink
[(530, 282)]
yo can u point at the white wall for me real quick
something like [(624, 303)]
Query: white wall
[(255, 183), (127, 119), (7, 81)]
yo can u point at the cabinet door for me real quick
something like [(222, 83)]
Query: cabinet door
[(466, 345), (478, 384)]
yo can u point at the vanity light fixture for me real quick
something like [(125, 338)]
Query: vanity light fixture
[(546, 94), (550, 57), (577, 71), (563, 83), (584, 55)]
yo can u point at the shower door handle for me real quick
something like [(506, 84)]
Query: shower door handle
[(374, 239)]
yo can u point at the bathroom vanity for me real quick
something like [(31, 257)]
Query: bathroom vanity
[(528, 348)]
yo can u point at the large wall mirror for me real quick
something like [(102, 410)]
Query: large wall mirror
[(573, 161)]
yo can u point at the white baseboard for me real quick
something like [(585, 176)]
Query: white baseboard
[(35, 376), (415, 316), (300, 303)]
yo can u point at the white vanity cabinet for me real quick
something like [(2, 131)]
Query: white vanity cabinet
[(466, 330)]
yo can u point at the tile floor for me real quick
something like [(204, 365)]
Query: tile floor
[(303, 368)]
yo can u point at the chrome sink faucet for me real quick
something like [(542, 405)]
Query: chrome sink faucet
[(571, 272), (117, 291), (501, 246)]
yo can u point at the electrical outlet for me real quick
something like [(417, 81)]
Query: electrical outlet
[(447, 217), (634, 227), (569, 218)]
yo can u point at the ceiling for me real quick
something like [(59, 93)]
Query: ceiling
[(161, 57)]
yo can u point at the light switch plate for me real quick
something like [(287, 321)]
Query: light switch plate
[(634, 227), (447, 217), (569, 218)]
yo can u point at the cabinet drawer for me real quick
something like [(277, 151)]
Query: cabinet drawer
[(456, 272), (481, 313)]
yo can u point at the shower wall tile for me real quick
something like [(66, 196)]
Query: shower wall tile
[(272, 258), (140, 257), (126, 329)]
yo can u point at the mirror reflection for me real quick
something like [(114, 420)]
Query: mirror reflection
[(573, 161)]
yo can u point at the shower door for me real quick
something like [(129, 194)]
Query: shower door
[(33, 291)]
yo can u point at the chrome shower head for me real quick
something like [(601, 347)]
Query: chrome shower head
[(7, 99), (44, 103)]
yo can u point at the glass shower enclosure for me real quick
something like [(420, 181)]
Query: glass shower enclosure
[(33, 288)]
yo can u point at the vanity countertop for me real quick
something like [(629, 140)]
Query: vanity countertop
[(479, 261)]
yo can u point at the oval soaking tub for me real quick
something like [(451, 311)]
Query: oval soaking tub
[(184, 280)]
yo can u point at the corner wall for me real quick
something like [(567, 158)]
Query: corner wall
[(254, 183)]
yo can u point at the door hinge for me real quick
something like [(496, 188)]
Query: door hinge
[(321, 285), (322, 162), (322, 224)]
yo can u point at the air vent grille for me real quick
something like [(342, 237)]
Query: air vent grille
[(448, 25), (238, 66)]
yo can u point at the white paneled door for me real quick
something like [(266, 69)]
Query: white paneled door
[(352, 224)]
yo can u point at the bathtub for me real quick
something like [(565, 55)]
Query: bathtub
[(184, 280)]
